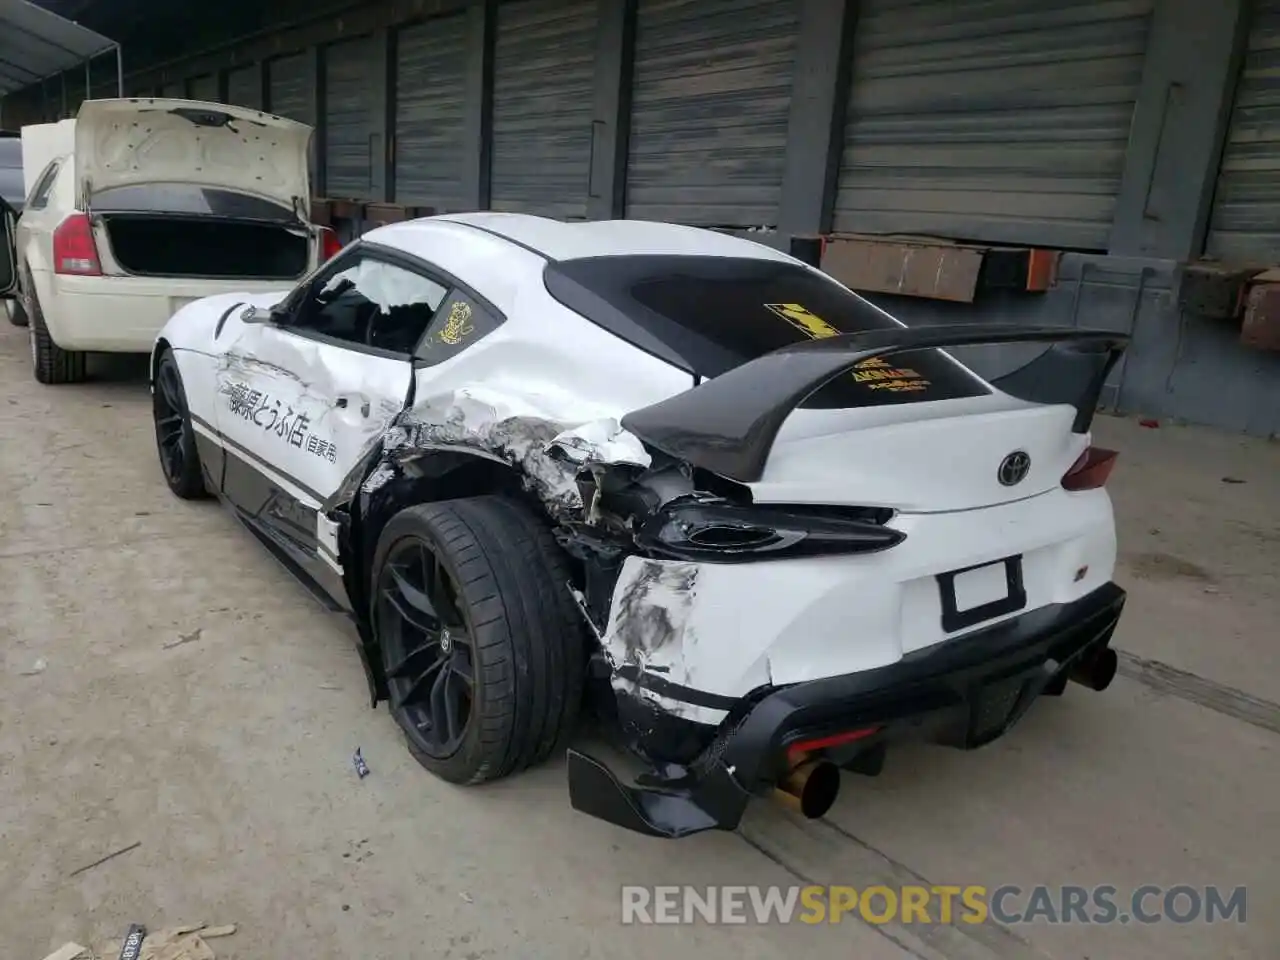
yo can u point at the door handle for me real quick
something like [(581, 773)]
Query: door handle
[(343, 403)]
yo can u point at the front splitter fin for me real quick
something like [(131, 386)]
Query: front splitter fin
[(654, 812)]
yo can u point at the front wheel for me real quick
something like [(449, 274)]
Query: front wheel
[(482, 647), (175, 438)]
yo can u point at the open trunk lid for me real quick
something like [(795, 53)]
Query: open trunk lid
[(147, 141)]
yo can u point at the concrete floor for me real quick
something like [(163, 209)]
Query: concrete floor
[(228, 757)]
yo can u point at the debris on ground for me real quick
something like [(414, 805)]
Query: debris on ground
[(132, 947), (185, 638), (357, 761), (68, 951), (102, 860), (37, 668), (1232, 480), (184, 942)]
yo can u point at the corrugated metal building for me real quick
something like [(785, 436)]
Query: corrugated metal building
[(1113, 162)]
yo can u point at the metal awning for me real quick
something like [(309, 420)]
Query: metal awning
[(36, 44)]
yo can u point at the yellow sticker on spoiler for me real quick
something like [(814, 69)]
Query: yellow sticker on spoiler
[(877, 373)]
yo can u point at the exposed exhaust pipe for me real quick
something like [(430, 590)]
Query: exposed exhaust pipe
[(811, 788), (1095, 669)]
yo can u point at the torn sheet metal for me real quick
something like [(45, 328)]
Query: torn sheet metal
[(545, 437)]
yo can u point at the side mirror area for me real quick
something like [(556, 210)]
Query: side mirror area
[(252, 315)]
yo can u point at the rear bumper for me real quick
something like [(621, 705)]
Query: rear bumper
[(125, 314), (962, 693)]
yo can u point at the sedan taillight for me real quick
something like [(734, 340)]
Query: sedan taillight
[(330, 245), (74, 252)]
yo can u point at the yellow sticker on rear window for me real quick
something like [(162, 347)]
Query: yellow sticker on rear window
[(804, 320), (876, 373)]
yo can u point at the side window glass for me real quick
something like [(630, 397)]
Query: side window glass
[(44, 186), (371, 303), (459, 323)]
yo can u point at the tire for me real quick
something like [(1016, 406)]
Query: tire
[(527, 653), (175, 438), (17, 315), (52, 364)]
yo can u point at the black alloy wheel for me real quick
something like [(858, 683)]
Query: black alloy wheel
[(175, 439), (429, 648), (481, 645)]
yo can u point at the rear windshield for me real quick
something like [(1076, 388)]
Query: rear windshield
[(711, 314), (185, 198)]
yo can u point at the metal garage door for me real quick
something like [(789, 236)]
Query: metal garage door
[(288, 87), (173, 90), (348, 150), (711, 95), (431, 62), (244, 87), (995, 120), (203, 88), (1246, 206), (542, 107)]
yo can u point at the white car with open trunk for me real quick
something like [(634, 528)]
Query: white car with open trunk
[(141, 206)]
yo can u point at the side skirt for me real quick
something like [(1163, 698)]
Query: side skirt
[(285, 523)]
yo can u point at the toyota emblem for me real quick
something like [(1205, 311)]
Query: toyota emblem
[(1014, 468)]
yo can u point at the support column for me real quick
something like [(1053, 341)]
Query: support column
[(815, 127), (1180, 121), (381, 121), (482, 18), (611, 119)]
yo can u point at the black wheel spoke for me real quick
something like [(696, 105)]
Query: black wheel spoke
[(415, 598), (437, 699), (419, 660), (169, 389), (430, 665), (414, 618), (170, 421), (411, 693)]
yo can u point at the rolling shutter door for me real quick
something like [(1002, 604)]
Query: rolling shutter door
[(990, 120), (287, 86), (1246, 206), (710, 101), (431, 62), (244, 88), (542, 107), (173, 91), (289, 95), (203, 88), (348, 74)]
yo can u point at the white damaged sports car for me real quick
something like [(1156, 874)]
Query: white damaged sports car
[(755, 523)]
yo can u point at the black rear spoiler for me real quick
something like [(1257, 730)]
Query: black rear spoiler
[(728, 424)]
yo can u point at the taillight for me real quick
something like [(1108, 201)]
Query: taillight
[(330, 245), (74, 252), (724, 532), (1090, 471)]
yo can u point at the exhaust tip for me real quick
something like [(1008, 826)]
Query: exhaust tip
[(1096, 669), (811, 788)]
